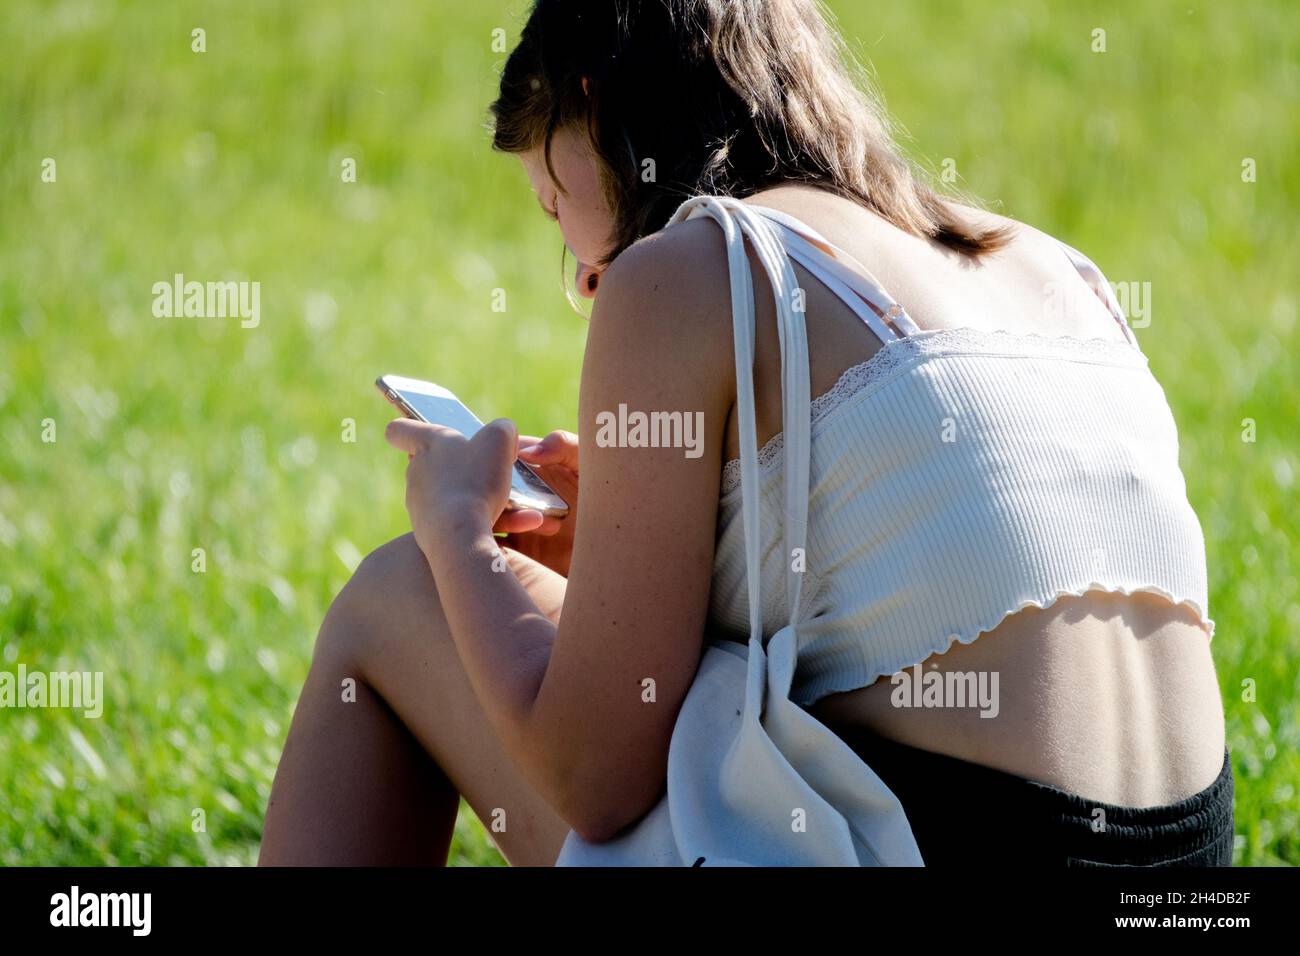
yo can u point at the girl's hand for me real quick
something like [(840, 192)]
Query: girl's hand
[(452, 480), (555, 459)]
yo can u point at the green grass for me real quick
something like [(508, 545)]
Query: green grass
[(175, 434)]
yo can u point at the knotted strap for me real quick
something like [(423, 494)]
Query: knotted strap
[(739, 222), (734, 787)]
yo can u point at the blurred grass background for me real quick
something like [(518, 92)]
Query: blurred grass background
[(175, 434)]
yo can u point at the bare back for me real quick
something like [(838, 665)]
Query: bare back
[(1109, 696)]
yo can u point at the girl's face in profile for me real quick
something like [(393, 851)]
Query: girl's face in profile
[(581, 211)]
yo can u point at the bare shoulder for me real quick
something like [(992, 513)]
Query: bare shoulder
[(978, 219), (668, 295), (684, 265), (1025, 237)]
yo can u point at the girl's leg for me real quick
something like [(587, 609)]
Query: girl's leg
[(377, 780)]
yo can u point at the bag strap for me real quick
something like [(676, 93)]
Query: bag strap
[(739, 222)]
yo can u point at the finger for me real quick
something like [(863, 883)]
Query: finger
[(550, 525), (566, 445), (512, 521), (557, 448), (519, 522), (506, 524), (499, 435), (526, 440), (408, 435)]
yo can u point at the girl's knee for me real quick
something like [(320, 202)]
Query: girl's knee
[(390, 591)]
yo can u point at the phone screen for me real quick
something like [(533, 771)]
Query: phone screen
[(443, 411), (529, 489)]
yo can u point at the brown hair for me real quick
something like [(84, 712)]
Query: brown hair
[(712, 96)]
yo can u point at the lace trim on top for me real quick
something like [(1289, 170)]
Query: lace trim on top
[(897, 353)]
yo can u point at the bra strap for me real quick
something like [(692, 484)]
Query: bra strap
[(1093, 276), (836, 265)]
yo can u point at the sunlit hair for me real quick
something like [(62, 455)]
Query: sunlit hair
[(715, 96)]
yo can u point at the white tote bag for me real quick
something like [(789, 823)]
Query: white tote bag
[(753, 778)]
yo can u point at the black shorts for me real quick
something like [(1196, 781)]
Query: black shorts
[(965, 814)]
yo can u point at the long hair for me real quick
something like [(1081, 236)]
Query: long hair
[(718, 96)]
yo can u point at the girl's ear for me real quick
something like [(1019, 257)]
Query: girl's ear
[(586, 85)]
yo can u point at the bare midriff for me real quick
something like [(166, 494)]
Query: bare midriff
[(1108, 696)]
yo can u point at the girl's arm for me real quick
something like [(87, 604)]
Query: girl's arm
[(587, 709)]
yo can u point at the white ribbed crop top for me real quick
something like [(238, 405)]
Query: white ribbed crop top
[(953, 478)]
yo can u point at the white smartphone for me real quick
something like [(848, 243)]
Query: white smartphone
[(431, 403)]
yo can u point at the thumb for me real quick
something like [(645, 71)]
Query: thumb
[(557, 448), (500, 437)]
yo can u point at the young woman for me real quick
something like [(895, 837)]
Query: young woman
[(992, 490)]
